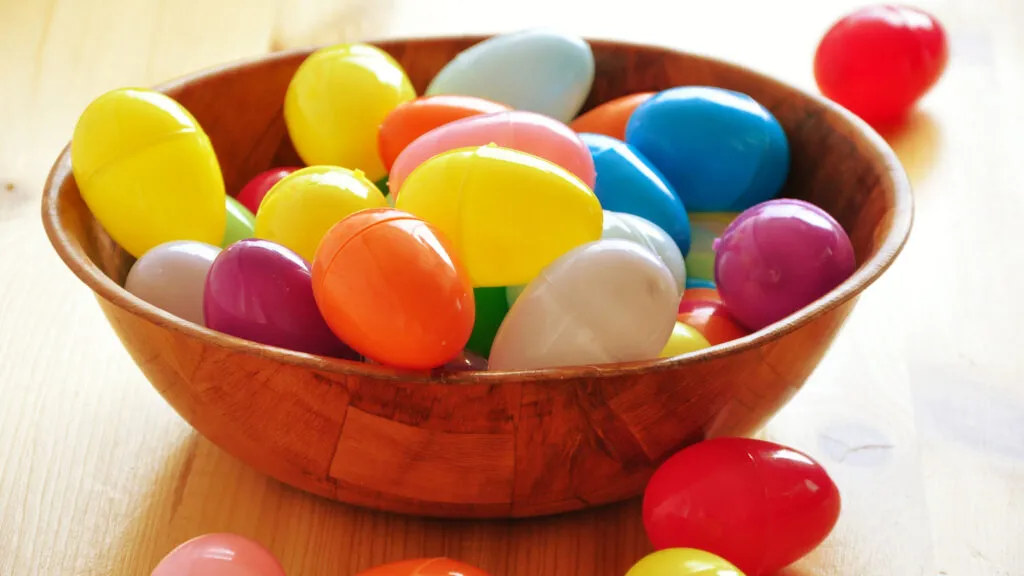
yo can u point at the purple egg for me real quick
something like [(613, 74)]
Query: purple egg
[(777, 257), (261, 291)]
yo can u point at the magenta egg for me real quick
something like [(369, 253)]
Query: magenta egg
[(261, 291), (520, 130), (777, 257), (219, 554)]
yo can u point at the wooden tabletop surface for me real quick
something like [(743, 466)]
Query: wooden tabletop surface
[(917, 411)]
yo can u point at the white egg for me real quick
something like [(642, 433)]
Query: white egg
[(539, 70), (649, 235), (603, 302), (172, 276)]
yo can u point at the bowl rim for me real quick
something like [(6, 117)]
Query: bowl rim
[(89, 273)]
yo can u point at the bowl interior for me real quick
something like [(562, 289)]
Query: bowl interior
[(838, 163)]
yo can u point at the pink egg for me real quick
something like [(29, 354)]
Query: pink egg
[(517, 129), (219, 554)]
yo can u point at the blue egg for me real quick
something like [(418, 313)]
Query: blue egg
[(721, 150), (699, 283), (537, 70), (627, 182)]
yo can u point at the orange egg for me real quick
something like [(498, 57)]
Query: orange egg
[(414, 118), (713, 321), (699, 295), (391, 287), (424, 567), (611, 117)]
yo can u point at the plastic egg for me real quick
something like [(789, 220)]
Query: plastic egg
[(878, 61), (335, 104), (241, 223), (683, 562), (711, 319), (603, 302), (251, 195), (611, 117), (491, 308), (778, 257), (650, 236), (699, 283), (541, 71), (219, 554), (695, 295), (508, 213), (424, 567), (299, 209), (684, 339), (261, 291), (390, 285), (626, 182), (523, 131), (172, 276), (467, 361), (757, 504), (414, 118), (512, 293), (705, 227), (147, 171), (720, 150)]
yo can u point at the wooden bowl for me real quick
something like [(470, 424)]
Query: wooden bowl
[(484, 444)]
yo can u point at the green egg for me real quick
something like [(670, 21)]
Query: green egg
[(491, 307), (241, 223), (512, 293)]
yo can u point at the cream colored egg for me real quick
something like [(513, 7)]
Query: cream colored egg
[(603, 302), (650, 236)]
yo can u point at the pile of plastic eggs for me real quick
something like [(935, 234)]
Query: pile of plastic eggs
[(721, 507), (483, 224)]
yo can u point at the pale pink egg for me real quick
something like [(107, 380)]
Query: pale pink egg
[(528, 132), (219, 554)]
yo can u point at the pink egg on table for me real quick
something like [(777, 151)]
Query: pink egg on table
[(219, 554), (261, 291), (520, 130), (253, 192), (777, 257)]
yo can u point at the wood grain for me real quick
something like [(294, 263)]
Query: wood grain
[(554, 441), (916, 410)]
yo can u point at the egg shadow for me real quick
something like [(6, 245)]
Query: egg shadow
[(202, 489), (916, 141)]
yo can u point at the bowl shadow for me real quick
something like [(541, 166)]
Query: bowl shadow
[(916, 142), (201, 489)]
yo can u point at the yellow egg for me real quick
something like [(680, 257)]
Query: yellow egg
[(683, 562), (336, 102), (508, 213), (684, 339), (147, 171), (302, 206)]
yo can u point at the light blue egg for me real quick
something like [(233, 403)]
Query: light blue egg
[(627, 182), (699, 283), (721, 150), (540, 71)]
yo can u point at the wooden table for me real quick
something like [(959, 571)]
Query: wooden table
[(918, 410)]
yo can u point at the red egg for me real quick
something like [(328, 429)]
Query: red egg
[(252, 193), (757, 504), (711, 319), (880, 60), (694, 296), (424, 567)]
